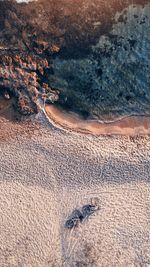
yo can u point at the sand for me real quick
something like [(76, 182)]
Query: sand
[(46, 173), (131, 125)]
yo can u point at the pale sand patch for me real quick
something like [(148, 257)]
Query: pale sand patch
[(33, 234), (132, 125), (45, 175), (29, 232)]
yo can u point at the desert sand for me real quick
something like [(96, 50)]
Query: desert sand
[(131, 125), (46, 173)]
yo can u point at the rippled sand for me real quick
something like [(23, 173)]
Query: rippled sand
[(46, 173)]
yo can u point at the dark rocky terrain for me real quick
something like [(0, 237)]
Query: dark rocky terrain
[(90, 57)]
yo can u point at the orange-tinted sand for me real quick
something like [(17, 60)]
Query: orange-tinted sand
[(132, 125)]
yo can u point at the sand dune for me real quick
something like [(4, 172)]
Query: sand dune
[(132, 125), (46, 173)]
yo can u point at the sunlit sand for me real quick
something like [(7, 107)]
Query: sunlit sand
[(54, 162), (46, 173), (132, 125)]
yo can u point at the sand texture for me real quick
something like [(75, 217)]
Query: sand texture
[(132, 125), (91, 58), (46, 173)]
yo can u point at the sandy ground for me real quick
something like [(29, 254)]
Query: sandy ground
[(132, 125), (45, 173)]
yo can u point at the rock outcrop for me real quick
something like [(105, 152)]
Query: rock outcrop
[(33, 35)]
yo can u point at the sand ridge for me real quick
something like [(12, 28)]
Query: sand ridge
[(132, 125)]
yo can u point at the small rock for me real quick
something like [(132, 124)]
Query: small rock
[(7, 96)]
